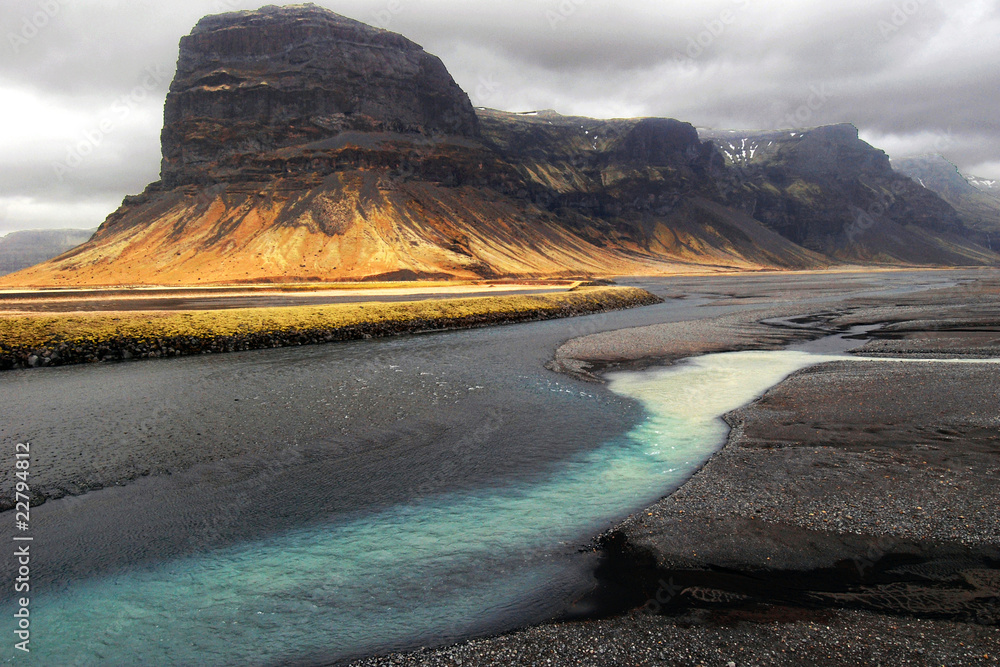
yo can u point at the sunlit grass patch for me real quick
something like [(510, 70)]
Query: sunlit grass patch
[(23, 333)]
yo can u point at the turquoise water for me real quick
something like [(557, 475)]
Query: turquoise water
[(439, 568)]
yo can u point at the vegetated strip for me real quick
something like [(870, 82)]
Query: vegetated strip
[(28, 341)]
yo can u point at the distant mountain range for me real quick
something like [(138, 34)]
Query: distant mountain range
[(834, 194), (19, 250), (977, 200), (989, 186), (301, 145)]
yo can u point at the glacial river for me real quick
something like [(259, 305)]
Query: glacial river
[(372, 496)]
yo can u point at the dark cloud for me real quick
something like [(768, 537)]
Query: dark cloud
[(916, 75)]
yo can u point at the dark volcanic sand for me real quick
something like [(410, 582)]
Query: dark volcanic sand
[(116, 423), (776, 637), (854, 509)]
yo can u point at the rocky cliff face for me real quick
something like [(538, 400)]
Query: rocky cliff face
[(978, 206), (252, 82), (300, 145), (536, 196), (829, 191)]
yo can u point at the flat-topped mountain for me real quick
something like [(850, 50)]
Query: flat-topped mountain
[(301, 145), (251, 83)]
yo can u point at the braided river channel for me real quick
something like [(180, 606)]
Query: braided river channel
[(306, 506)]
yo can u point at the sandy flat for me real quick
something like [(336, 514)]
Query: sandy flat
[(215, 299)]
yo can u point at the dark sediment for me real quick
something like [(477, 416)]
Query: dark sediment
[(847, 485), (713, 622), (662, 344), (128, 301), (163, 434), (851, 519), (762, 638)]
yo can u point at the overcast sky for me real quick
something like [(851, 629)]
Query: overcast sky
[(82, 82)]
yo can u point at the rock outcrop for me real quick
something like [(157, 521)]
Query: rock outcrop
[(252, 82)]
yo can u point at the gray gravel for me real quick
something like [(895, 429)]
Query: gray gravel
[(711, 639)]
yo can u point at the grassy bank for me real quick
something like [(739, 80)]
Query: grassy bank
[(53, 340)]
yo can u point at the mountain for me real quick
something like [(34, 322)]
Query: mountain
[(977, 200), (249, 84), (19, 250), (987, 185), (829, 191), (301, 145)]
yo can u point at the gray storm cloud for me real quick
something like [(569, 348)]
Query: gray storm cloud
[(84, 80)]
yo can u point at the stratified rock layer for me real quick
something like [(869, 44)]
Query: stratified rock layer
[(250, 82)]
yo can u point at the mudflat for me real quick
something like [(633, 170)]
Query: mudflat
[(257, 296)]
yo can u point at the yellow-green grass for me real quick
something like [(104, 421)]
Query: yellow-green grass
[(20, 332)]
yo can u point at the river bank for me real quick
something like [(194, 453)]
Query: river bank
[(40, 340), (850, 519)]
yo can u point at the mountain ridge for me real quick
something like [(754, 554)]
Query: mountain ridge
[(300, 145), (973, 198), (829, 191)]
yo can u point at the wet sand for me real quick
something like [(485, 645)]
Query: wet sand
[(215, 299), (852, 517)]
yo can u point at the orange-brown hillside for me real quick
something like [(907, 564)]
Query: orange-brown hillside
[(346, 227)]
